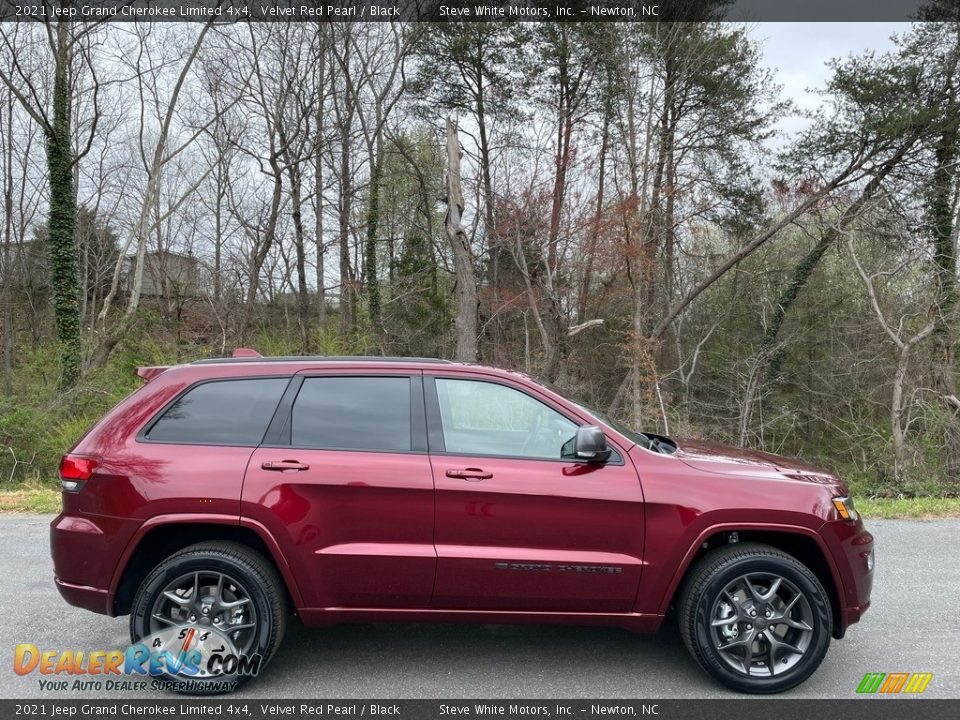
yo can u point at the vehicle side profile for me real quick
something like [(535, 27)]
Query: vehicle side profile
[(227, 494)]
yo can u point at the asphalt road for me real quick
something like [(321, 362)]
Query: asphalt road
[(914, 626)]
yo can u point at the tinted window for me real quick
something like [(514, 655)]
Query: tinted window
[(225, 412), (482, 418), (352, 413)]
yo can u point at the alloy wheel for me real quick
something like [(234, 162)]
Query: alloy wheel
[(761, 624), (207, 599)]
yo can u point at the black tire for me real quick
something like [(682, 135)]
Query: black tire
[(253, 574), (703, 600)]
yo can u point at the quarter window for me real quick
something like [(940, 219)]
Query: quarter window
[(223, 412), (483, 418), (352, 413)]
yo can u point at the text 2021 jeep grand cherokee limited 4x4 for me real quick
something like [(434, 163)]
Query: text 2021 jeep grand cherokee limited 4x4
[(226, 494)]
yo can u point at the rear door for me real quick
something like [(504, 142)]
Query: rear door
[(518, 527), (344, 479)]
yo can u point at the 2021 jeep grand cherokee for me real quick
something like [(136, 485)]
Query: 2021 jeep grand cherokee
[(225, 494)]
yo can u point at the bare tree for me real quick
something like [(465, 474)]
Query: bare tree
[(463, 255)]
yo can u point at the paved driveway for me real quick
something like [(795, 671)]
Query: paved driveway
[(914, 626)]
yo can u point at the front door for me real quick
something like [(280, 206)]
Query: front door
[(517, 526), (346, 483)]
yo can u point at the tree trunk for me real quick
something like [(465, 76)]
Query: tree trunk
[(370, 248), (346, 290), (9, 329), (896, 416), (558, 329), (594, 237), (303, 296), (62, 246), (466, 320), (318, 220)]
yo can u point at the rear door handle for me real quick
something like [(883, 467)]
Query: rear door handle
[(472, 474), (283, 465)]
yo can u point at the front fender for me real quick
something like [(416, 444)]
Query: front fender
[(725, 527)]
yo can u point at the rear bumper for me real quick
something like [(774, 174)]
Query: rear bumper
[(84, 596), (86, 550)]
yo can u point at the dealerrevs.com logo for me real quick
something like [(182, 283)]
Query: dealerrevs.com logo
[(176, 658), (894, 683)]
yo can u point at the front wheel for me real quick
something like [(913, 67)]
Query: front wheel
[(754, 618), (208, 617)]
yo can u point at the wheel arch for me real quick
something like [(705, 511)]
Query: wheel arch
[(797, 541), (160, 537)]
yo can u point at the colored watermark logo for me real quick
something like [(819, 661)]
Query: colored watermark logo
[(893, 683), (190, 653)]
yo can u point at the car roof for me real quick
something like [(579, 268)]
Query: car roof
[(323, 358)]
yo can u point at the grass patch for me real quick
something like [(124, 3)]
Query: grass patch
[(30, 498), (909, 508)]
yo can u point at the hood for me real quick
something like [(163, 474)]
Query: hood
[(725, 460)]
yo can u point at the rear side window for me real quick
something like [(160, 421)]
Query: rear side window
[(223, 412), (352, 413)]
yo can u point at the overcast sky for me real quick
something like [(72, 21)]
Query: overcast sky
[(798, 53)]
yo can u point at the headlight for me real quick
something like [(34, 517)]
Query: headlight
[(844, 506)]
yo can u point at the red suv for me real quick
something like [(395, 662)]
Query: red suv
[(226, 494)]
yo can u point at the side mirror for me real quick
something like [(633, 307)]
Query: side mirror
[(590, 445)]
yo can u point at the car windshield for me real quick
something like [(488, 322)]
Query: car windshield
[(638, 437)]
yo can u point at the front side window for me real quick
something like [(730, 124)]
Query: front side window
[(483, 418), (223, 412), (352, 413)]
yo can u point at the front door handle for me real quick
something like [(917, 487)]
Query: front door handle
[(283, 465), (472, 474)]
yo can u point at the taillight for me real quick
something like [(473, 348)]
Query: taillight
[(75, 470)]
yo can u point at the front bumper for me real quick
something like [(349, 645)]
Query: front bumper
[(852, 549)]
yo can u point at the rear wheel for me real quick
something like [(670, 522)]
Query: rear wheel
[(754, 618), (220, 601)]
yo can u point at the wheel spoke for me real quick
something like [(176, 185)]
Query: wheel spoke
[(771, 659), (748, 656), (720, 622), (731, 598), (734, 643), (753, 590), (160, 618), (786, 611), (171, 595), (234, 603), (234, 628), (779, 644), (774, 586), (798, 624)]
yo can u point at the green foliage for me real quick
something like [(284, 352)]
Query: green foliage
[(421, 311), (29, 498), (61, 243)]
